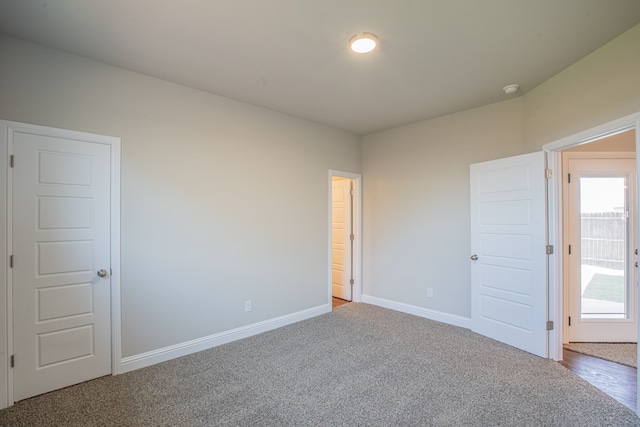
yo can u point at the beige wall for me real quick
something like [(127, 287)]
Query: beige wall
[(600, 88), (416, 203), (416, 177), (221, 201)]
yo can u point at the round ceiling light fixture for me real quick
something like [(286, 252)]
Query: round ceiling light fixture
[(509, 89), (363, 42)]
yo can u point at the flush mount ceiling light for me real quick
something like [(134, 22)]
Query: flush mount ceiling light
[(363, 42), (509, 89)]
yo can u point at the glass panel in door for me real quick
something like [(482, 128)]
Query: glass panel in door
[(603, 225)]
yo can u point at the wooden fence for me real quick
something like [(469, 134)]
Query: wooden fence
[(603, 239)]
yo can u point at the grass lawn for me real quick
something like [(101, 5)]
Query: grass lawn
[(604, 287)]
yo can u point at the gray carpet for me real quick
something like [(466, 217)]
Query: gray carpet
[(624, 353), (359, 365)]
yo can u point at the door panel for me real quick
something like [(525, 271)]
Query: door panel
[(600, 216), (340, 239), (508, 270), (61, 233)]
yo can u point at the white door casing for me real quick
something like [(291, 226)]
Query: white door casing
[(341, 245), (508, 237), (556, 284), (62, 200)]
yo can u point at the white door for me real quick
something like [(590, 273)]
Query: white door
[(60, 234), (508, 245), (601, 240), (341, 244)]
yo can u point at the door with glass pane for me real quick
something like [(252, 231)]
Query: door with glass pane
[(600, 249)]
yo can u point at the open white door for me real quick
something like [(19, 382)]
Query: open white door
[(508, 246), (341, 243), (61, 269)]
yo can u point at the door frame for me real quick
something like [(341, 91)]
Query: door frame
[(356, 294), (6, 292), (555, 237)]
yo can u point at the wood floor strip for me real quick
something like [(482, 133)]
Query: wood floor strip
[(618, 381), (337, 302)]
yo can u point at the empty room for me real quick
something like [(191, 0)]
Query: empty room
[(319, 212)]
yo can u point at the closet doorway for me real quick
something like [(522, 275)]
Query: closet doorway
[(344, 237)]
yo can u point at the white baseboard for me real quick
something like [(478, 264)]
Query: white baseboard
[(439, 316), (143, 360)]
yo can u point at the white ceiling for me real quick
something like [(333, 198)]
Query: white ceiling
[(435, 56)]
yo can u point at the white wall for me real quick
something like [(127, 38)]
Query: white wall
[(221, 201), (416, 177)]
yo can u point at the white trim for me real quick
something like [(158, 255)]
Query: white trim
[(4, 274), (357, 231), (438, 316), (598, 132), (116, 325), (555, 215), (6, 327), (143, 360)]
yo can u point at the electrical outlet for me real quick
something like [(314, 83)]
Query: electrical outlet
[(247, 306), (429, 292)]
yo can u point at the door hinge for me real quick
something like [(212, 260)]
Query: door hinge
[(569, 249), (569, 320), (569, 178), (550, 325), (11, 161), (351, 281), (12, 361), (548, 173), (10, 261), (549, 249), (352, 237)]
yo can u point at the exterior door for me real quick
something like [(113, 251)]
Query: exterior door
[(61, 262), (508, 246), (341, 243), (601, 240)]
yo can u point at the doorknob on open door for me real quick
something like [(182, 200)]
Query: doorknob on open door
[(102, 273), (474, 257)]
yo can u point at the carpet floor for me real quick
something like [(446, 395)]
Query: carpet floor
[(359, 365), (624, 353)]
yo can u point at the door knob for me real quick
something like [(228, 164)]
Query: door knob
[(102, 273), (474, 257)]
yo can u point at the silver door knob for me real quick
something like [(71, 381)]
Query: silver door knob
[(474, 257), (102, 273)]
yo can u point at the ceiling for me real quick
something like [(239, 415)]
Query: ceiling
[(435, 56)]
